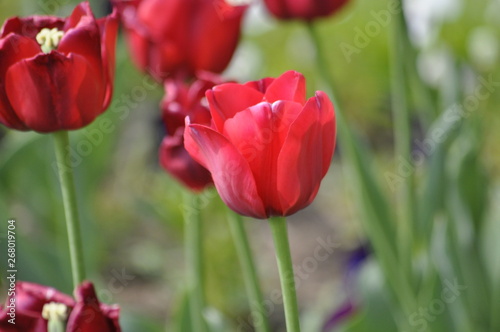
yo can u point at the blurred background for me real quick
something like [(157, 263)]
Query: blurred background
[(131, 210)]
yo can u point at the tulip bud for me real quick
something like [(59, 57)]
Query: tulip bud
[(268, 147)]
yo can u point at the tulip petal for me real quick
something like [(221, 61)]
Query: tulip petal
[(261, 85), (58, 93), (84, 39), (258, 133), (30, 26), (173, 14), (215, 35), (291, 85), (226, 100), (32, 297), (306, 154), (230, 171), (108, 28), (177, 161), (14, 48), (79, 13), (87, 316), (329, 128)]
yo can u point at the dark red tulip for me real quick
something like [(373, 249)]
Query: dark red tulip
[(56, 74), (181, 37), (31, 301), (268, 147), (181, 100), (303, 9)]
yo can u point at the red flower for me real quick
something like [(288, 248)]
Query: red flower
[(56, 74), (183, 100), (303, 9), (268, 148), (86, 314), (181, 37)]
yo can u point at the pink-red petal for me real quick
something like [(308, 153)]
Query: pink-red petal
[(87, 316), (215, 35), (177, 161), (308, 148), (81, 11), (13, 49), (291, 85), (108, 28), (30, 26), (226, 100), (230, 171), (260, 85), (57, 93)]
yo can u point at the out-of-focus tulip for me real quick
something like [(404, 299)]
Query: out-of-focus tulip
[(181, 37), (268, 148), (56, 74), (303, 9), (183, 100), (35, 306)]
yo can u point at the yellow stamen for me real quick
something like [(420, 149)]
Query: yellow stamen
[(49, 39), (56, 314)]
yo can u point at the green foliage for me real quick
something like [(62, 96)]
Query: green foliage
[(131, 210)]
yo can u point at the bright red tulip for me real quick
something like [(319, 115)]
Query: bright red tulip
[(181, 37), (84, 314), (56, 74), (183, 100), (303, 9), (268, 147)]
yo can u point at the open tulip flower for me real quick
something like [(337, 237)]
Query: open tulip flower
[(268, 148), (303, 9), (183, 100), (181, 37), (40, 308), (56, 74)]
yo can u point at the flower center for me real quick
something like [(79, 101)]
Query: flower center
[(56, 314), (49, 39)]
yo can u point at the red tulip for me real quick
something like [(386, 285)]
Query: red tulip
[(55, 73), (268, 147), (303, 9), (84, 314), (181, 37), (183, 100)]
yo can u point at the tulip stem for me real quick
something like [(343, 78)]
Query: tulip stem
[(70, 206), (402, 136), (194, 259), (256, 300), (284, 259), (376, 224)]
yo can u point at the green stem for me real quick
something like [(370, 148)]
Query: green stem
[(495, 306), (254, 292), (402, 135), (194, 258), (376, 219), (282, 247), (70, 207)]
